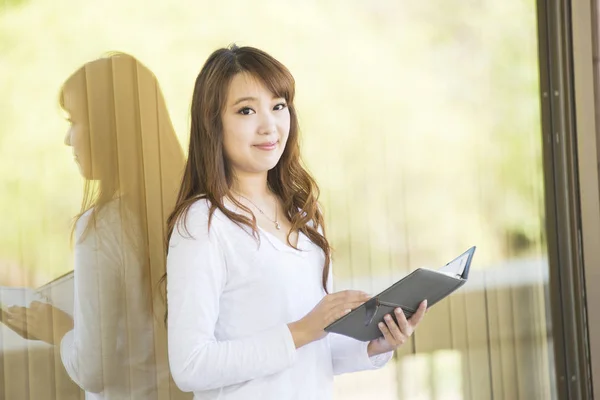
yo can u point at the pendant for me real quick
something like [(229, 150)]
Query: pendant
[(277, 225)]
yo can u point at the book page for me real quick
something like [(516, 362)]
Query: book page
[(18, 296), (60, 293), (456, 267), (13, 339)]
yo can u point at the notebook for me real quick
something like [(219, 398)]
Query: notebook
[(58, 292), (407, 293)]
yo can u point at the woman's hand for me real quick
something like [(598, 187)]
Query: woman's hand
[(330, 308), (40, 321), (395, 335)]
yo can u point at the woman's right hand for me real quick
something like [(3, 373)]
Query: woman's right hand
[(331, 308)]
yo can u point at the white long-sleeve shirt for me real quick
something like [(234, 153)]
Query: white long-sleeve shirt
[(229, 303), (110, 351)]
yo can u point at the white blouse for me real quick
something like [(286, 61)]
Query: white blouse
[(110, 351), (229, 303)]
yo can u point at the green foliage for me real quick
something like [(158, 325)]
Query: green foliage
[(420, 120), (6, 4)]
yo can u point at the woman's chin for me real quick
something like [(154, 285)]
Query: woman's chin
[(270, 166), (85, 173), (264, 165), (257, 166)]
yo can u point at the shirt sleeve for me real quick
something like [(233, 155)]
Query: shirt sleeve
[(89, 351), (349, 354), (196, 277)]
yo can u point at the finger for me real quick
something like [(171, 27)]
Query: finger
[(334, 316), (344, 303), (399, 336), (351, 296), (418, 316), (17, 313), (16, 324), (403, 323), (351, 292), (21, 328), (335, 313), (40, 307), (386, 334), (352, 305), (351, 301), (15, 321), (32, 314)]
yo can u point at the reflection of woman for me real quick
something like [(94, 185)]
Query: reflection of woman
[(246, 320), (127, 151)]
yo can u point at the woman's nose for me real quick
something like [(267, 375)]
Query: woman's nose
[(268, 124)]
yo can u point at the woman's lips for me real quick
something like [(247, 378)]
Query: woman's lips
[(266, 146)]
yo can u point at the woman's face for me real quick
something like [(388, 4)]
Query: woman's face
[(78, 135), (256, 125)]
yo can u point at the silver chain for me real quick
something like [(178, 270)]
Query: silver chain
[(277, 226)]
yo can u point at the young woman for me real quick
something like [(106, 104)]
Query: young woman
[(248, 260), (125, 147)]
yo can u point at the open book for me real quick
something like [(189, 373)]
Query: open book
[(407, 293), (58, 292)]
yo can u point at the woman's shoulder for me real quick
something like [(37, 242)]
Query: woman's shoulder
[(110, 220), (199, 211), (96, 218), (196, 217), (200, 207)]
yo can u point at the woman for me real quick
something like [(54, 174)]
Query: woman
[(248, 259), (124, 144)]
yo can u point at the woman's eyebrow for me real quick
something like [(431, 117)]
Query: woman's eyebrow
[(250, 98), (243, 99)]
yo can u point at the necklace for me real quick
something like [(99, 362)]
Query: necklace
[(276, 222)]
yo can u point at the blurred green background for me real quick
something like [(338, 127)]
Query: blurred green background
[(420, 120)]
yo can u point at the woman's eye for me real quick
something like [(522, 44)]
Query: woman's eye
[(280, 106), (246, 111)]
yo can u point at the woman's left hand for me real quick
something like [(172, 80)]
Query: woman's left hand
[(41, 321), (395, 335)]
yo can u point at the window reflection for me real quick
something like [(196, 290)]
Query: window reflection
[(112, 342)]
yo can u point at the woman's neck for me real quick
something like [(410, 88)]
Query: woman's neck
[(253, 187)]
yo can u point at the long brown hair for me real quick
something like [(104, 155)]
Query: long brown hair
[(135, 155), (129, 126), (208, 174), (136, 163)]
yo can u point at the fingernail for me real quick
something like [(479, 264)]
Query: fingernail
[(399, 311), (380, 324), (425, 302), (388, 318)]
